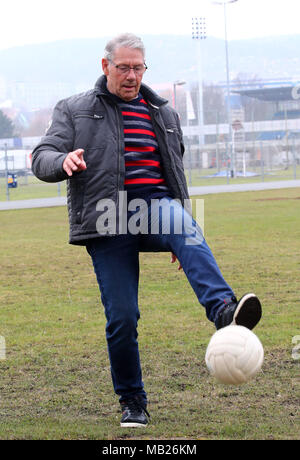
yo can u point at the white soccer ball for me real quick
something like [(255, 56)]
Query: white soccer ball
[(234, 355)]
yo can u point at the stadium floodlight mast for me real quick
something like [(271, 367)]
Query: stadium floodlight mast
[(224, 4), (177, 83), (199, 34)]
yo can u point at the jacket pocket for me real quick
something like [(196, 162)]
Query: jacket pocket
[(100, 184), (176, 150), (174, 140), (90, 128), (76, 191), (90, 115)]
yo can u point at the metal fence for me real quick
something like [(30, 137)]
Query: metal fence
[(247, 161), (260, 151), (255, 151), (16, 179)]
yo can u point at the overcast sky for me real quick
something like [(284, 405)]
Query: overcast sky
[(37, 21)]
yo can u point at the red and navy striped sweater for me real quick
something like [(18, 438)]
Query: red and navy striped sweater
[(143, 169)]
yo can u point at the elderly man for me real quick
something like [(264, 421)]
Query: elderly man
[(120, 145)]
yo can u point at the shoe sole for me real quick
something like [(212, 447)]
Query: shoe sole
[(248, 311), (133, 425)]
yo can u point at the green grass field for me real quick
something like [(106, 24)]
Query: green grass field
[(55, 381), (30, 187)]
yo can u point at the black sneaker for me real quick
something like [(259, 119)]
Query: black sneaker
[(134, 412), (245, 312)]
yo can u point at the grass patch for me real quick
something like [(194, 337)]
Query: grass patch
[(55, 381), (29, 187)]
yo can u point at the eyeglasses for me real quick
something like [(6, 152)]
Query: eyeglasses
[(123, 69)]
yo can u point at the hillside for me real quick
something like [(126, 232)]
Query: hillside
[(169, 58)]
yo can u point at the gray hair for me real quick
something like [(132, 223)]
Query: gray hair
[(126, 40)]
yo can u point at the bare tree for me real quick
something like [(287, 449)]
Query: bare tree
[(39, 123), (6, 126)]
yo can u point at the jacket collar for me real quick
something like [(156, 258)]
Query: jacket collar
[(149, 95)]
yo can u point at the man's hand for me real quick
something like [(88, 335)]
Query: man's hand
[(173, 260), (74, 162)]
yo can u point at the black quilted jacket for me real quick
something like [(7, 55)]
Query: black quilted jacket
[(93, 122)]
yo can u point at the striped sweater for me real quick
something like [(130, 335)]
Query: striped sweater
[(143, 171)]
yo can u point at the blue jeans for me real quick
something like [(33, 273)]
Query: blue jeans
[(116, 264)]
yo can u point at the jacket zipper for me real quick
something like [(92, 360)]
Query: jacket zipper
[(119, 153), (94, 117)]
